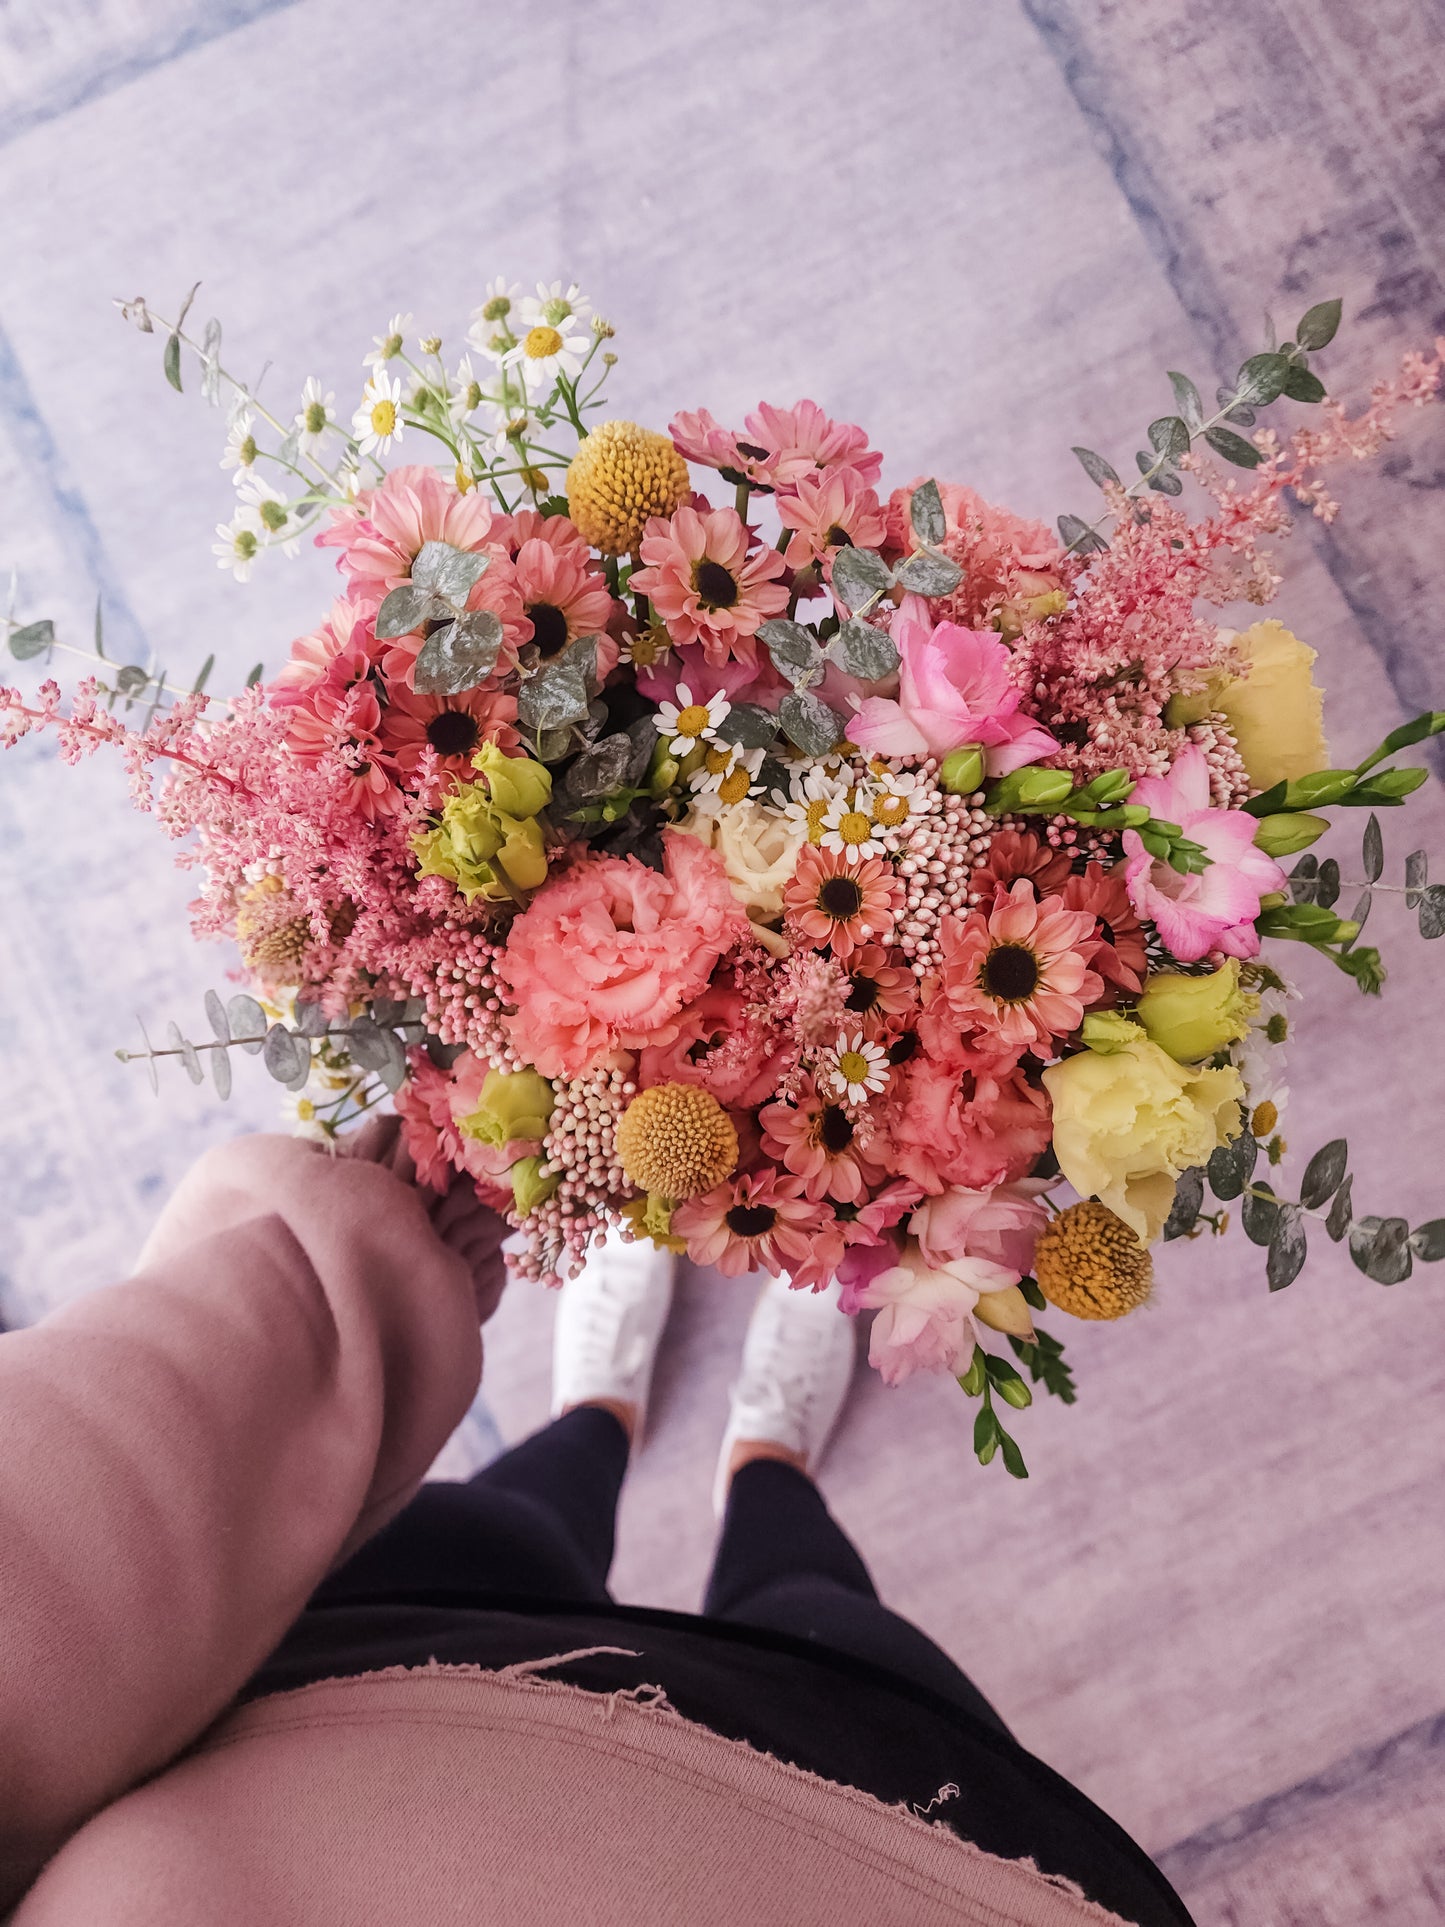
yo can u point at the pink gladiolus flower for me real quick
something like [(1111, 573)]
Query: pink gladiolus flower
[(1217, 909), (954, 688), (925, 1312), (1001, 1225)]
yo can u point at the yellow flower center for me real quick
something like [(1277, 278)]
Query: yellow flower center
[(1266, 1116), (854, 827), (890, 810), (693, 720), (717, 759), (817, 810), (540, 342), (735, 785), (853, 1067), (383, 418), (305, 1110)]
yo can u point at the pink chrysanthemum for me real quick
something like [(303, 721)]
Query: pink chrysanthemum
[(800, 440), (380, 536), (879, 990), (563, 598), (833, 902), (1017, 974), (706, 586), (338, 721), (559, 532), (699, 437), (454, 727), (429, 1104), (831, 510), (817, 1141), (760, 1221), (347, 627)]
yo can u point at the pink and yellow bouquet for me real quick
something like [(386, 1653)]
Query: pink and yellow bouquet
[(688, 835)]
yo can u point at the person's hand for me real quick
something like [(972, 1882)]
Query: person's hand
[(462, 1222)]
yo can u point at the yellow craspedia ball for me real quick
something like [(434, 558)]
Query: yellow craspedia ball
[(676, 1141), (620, 477), (1089, 1262)]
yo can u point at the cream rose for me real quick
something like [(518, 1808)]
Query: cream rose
[(1127, 1125), (1276, 712), (758, 846)]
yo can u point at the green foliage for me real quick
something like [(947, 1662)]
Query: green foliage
[(988, 1374)]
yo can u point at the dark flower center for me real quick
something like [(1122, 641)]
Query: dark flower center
[(864, 995), (840, 897), (904, 1046), (1011, 973), (452, 732), (715, 585), (752, 451), (751, 1220), (835, 1129), (838, 538), (549, 628)]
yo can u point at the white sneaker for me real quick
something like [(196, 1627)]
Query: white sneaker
[(608, 1326), (798, 1360)]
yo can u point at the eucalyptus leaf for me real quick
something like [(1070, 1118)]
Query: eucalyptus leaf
[(860, 576), (794, 650), (198, 686), (32, 640), (248, 1023), (1186, 399), (449, 571), (1231, 1166), (1166, 482), (1169, 437), (559, 693), (221, 1071), (253, 675), (1304, 878), (1372, 853), (459, 655), (1259, 1216), (1288, 1248), (1388, 1259), (750, 726), (1324, 1174), (925, 512), (131, 679), (1234, 411), (1262, 380), (171, 361), (1079, 538), (1327, 890), (808, 722), (598, 771), (1432, 911), (1318, 324), (178, 1041), (1301, 385), (407, 608), (216, 1017), (1233, 448), (925, 575), (863, 651), (1096, 468), (1427, 1241), (311, 1019), (285, 1056), (1338, 1222), (1188, 1202), (1417, 875), (1359, 916), (378, 1051)]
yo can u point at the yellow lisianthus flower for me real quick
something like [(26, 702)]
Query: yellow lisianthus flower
[(1193, 1017), (1275, 711)]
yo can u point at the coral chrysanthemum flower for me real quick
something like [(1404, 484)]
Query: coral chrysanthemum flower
[(563, 598), (758, 1222), (817, 1141), (831, 510), (380, 536), (454, 726), (1118, 954), (1017, 973), (706, 586), (878, 989), (839, 904)]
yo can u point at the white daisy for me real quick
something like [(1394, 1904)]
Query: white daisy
[(513, 426), (689, 723), (240, 451), (546, 351), (377, 423), (273, 511), (300, 1112), (1260, 1055), (848, 829), (491, 331), (466, 392), (813, 789), (554, 307), (238, 544), (314, 421), (898, 796), (388, 346), (855, 1068), (727, 774)]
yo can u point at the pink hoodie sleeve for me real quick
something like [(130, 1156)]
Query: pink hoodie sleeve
[(184, 1456)]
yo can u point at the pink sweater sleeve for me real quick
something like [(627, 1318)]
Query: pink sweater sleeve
[(183, 1456)]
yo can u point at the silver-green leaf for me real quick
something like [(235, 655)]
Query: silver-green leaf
[(1427, 1241), (248, 1023), (1417, 875), (1373, 850), (1186, 399), (863, 651), (1387, 1259), (1287, 1248), (449, 571), (378, 1051), (1231, 1166), (925, 575), (1432, 911), (1169, 437), (1234, 448), (171, 362), (216, 1017), (860, 576), (1262, 380), (32, 640), (221, 1071), (1318, 324), (1324, 1174), (1079, 538), (925, 512), (808, 722), (1096, 468), (459, 655), (750, 726), (1338, 1222), (794, 650), (407, 608), (557, 695), (1259, 1216), (1188, 1202), (285, 1056), (178, 1041)]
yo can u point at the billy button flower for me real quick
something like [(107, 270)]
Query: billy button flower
[(620, 478), (840, 904)]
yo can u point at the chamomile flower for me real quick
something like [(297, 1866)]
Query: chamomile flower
[(813, 792), (273, 511), (553, 306), (855, 1069), (1260, 1055), (238, 543), (241, 451), (727, 775), (301, 1114), (466, 392), (546, 351), (388, 346), (491, 332), (377, 423), (898, 796), (688, 723), (848, 829), (315, 420)]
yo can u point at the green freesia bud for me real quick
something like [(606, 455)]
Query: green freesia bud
[(1109, 788), (518, 785), (513, 1104), (531, 1185), (1108, 1031), (1030, 789), (1288, 832), (961, 771), (663, 770), (1389, 785), (480, 847), (1322, 786), (1134, 814), (1193, 1017)]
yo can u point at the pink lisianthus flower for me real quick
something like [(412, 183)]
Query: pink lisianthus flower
[(718, 1043), (954, 687), (973, 1126), (1215, 910), (608, 951), (707, 585), (1016, 975), (800, 440), (380, 535), (1001, 1224), (859, 1241), (830, 510), (924, 1319), (759, 1221)]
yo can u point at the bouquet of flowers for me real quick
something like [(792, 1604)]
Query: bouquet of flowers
[(855, 885)]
